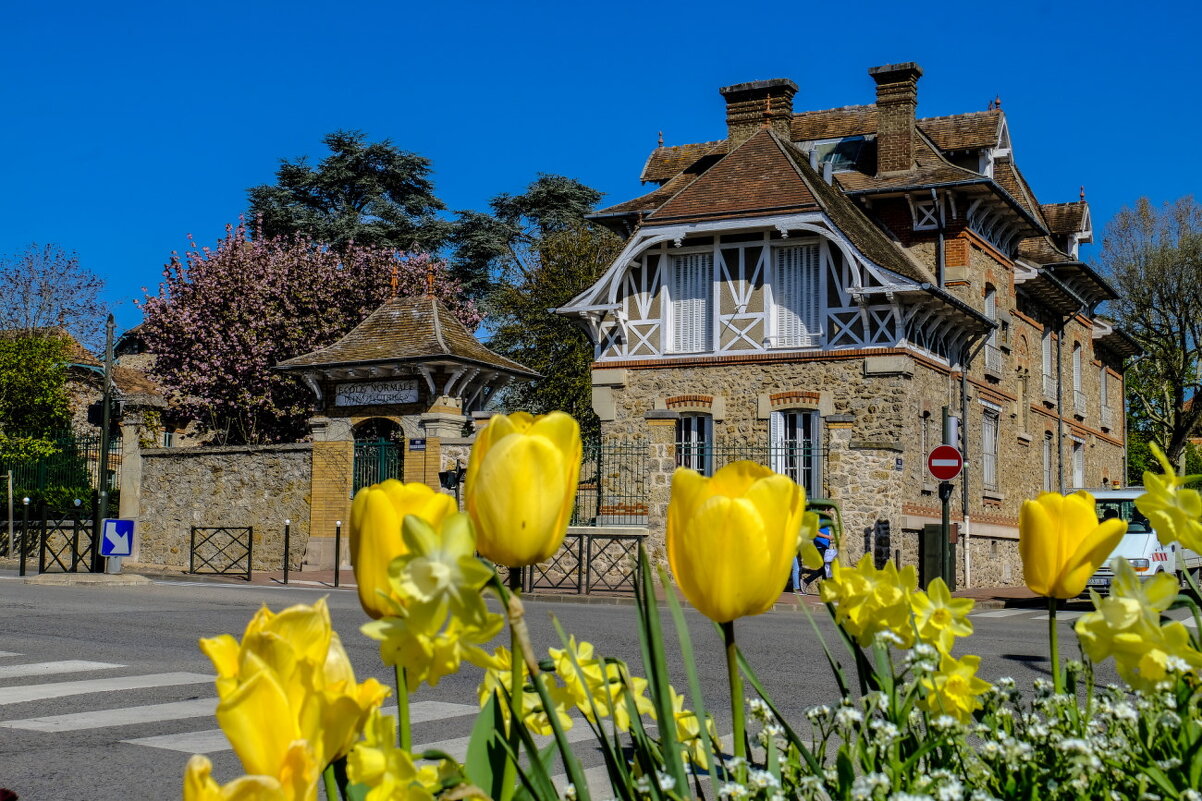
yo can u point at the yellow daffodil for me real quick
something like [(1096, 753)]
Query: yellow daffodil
[(497, 681), (688, 731), (732, 538), (1126, 626), (439, 573), (868, 601), (428, 656), (376, 517), (521, 485), (388, 771), (296, 780), (1173, 510), (955, 689), (1062, 543), (579, 689), (938, 618), (290, 669)]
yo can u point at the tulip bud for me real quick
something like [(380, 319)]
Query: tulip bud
[(521, 485), (1062, 543), (376, 516), (732, 538)]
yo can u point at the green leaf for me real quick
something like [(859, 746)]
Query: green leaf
[(485, 763)]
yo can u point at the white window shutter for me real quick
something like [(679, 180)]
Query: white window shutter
[(796, 295), (691, 283)]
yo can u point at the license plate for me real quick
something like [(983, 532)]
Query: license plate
[(1098, 582)]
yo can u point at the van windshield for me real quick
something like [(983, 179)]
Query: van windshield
[(1124, 510)]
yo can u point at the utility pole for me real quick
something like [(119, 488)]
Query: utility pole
[(106, 423)]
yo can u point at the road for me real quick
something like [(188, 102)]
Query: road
[(104, 694)]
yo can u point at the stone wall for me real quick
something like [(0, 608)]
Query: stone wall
[(258, 486)]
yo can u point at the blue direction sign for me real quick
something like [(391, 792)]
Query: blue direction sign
[(116, 537)]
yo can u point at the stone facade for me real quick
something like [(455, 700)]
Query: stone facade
[(258, 486), (837, 289)]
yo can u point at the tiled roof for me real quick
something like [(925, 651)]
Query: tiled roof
[(755, 178), (1040, 250), (1065, 218), (931, 169), (834, 123), (977, 129), (408, 329), (1008, 176), (664, 162), (650, 201)]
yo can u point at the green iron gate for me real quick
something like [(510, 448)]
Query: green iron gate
[(376, 461)]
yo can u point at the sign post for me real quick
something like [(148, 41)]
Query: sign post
[(945, 463), (116, 541)]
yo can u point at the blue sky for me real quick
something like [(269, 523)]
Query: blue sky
[(131, 125)]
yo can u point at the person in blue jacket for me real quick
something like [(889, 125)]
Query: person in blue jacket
[(825, 544)]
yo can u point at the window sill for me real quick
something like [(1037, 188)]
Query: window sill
[(993, 495), (1025, 438)]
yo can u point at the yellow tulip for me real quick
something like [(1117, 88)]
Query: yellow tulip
[(1062, 543), (732, 538), (290, 669), (521, 484), (376, 517)]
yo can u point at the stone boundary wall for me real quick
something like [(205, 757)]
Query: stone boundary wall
[(258, 486)]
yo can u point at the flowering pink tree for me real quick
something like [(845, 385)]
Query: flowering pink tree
[(224, 317)]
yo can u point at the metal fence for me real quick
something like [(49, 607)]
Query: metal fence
[(75, 464), (613, 484), (803, 463), (587, 563), (221, 550)]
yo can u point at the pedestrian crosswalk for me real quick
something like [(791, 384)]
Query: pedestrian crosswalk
[(1063, 615)]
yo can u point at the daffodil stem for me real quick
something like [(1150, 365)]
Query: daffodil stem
[(331, 783), (402, 709), (736, 687), (1054, 643)]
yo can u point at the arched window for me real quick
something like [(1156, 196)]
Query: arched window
[(379, 452)]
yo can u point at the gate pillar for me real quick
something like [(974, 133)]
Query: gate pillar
[(330, 497)]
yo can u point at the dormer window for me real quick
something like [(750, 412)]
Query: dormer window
[(844, 154)]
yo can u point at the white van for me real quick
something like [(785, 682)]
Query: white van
[(1139, 545)]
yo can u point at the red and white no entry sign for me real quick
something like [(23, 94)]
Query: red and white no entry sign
[(945, 462)]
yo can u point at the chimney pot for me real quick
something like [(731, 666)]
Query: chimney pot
[(749, 106), (896, 102)]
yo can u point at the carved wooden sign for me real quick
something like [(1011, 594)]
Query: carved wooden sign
[(376, 393)]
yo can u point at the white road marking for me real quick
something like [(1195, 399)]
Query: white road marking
[(1066, 615), (41, 692), (211, 741), (126, 716), (1000, 613), (44, 668), (9, 653)]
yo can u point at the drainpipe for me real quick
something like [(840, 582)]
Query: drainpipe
[(967, 524), (939, 255)]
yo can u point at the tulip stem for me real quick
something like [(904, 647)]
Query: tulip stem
[(736, 687), (1057, 681), (402, 709), (331, 783)]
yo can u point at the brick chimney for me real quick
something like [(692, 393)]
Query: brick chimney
[(751, 106), (896, 100)]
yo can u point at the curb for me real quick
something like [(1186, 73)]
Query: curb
[(88, 580)]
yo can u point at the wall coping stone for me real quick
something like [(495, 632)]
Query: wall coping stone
[(223, 449), (662, 414)]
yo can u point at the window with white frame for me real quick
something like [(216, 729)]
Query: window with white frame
[(1078, 463), (1049, 379), (695, 442), (796, 293), (1104, 386), (691, 291), (989, 439), (795, 447), (1047, 463), (1077, 367)]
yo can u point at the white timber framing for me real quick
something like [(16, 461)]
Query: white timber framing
[(861, 305)]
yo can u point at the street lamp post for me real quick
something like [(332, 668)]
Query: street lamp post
[(24, 533)]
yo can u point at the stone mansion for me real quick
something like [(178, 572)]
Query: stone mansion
[(818, 286)]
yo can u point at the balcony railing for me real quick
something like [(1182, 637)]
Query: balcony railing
[(1049, 386), (1078, 402), (993, 359), (1107, 417)]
